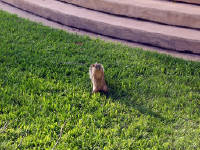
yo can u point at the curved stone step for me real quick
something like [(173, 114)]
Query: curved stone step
[(169, 37), (189, 1), (154, 10)]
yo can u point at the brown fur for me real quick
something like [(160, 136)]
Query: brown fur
[(96, 72)]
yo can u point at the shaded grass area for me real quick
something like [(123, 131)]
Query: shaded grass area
[(46, 100)]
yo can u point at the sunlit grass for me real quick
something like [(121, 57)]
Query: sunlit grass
[(46, 100)]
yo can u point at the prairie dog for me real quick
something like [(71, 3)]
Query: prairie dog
[(96, 72)]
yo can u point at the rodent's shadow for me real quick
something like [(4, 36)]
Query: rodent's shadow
[(117, 94)]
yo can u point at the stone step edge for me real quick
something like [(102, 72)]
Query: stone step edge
[(157, 11), (65, 14), (189, 1)]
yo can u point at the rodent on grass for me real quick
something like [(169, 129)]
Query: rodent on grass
[(96, 72)]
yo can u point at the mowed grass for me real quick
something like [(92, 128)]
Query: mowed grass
[(46, 101)]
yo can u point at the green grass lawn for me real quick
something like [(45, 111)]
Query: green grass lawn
[(46, 100)]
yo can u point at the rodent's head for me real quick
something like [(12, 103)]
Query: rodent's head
[(97, 66), (97, 69)]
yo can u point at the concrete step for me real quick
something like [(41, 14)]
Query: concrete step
[(161, 11), (164, 36), (189, 1)]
